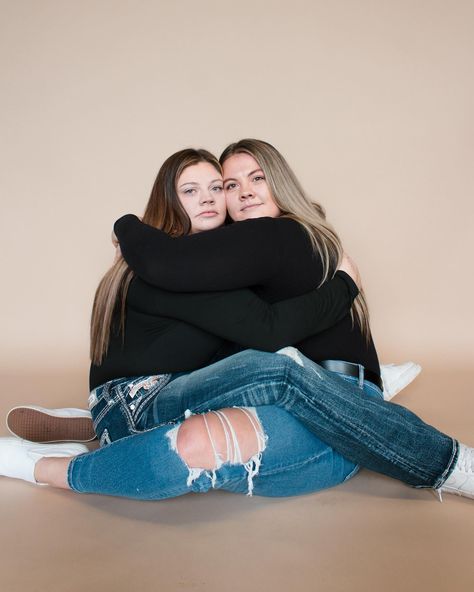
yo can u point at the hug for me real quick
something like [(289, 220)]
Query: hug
[(231, 349)]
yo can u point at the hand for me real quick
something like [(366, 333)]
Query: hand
[(118, 252), (348, 265)]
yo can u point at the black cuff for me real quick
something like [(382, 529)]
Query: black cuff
[(353, 289), (122, 222)]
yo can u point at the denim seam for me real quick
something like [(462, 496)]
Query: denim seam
[(130, 425), (283, 384), (452, 461), (373, 387), (69, 475), (371, 443), (114, 394), (109, 401), (141, 406), (221, 399), (103, 415), (154, 392), (122, 396), (355, 470)]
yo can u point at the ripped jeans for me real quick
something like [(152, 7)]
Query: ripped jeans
[(351, 424), (144, 464)]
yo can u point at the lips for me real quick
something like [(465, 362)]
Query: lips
[(208, 213), (250, 206)]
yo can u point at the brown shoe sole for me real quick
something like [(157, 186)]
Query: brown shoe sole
[(37, 426)]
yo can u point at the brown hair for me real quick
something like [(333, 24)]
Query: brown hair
[(293, 202), (164, 211)]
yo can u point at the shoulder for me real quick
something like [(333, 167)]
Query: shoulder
[(253, 231), (273, 226), (277, 233), (289, 225), (291, 231)]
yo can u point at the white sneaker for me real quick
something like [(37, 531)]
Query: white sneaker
[(461, 480), (396, 377), (18, 457), (38, 424)]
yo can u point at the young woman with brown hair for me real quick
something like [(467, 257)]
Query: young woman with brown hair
[(130, 336), (337, 399)]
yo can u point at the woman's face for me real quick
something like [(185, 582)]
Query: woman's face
[(247, 193), (200, 191)]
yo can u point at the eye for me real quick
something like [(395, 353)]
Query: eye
[(217, 188), (230, 186), (259, 178), (189, 191)]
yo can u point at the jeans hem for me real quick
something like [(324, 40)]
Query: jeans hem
[(439, 482), (69, 476), (449, 469)]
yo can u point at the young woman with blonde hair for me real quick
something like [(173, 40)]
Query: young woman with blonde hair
[(282, 249)]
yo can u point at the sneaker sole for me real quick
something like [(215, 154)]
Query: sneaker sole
[(37, 426)]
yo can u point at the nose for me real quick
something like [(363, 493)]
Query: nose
[(245, 191), (207, 198)]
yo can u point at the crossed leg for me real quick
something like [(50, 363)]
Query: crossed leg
[(204, 442)]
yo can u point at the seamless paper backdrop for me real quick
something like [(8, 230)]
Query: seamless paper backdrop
[(371, 102)]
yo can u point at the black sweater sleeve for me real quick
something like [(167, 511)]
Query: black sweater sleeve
[(235, 256), (242, 317)]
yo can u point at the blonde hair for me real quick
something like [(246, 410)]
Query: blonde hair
[(164, 211), (293, 202)]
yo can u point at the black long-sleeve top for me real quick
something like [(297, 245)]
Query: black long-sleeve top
[(169, 332), (273, 256)]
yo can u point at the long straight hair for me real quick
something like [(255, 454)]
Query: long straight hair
[(293, 202), (163, 211)]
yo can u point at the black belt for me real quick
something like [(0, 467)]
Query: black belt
[(351, 369)]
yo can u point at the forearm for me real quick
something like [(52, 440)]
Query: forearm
[(242, 317), (231, 257)]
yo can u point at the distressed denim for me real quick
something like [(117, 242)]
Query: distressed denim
[(142, 465), (353, 421)]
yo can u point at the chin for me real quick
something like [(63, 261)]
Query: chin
[(211, 225), (257, 213)]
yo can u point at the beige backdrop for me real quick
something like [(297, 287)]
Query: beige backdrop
[(370, 101)]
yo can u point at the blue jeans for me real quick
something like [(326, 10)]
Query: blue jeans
[(351, 420), (294, 461), (143, 466)]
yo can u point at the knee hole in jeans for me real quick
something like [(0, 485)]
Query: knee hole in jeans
[(240, 439), (232, 435)]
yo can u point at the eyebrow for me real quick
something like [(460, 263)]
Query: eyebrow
[(259, 170), (195, 183)]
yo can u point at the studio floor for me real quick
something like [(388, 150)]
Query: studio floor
[(372, 533)]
